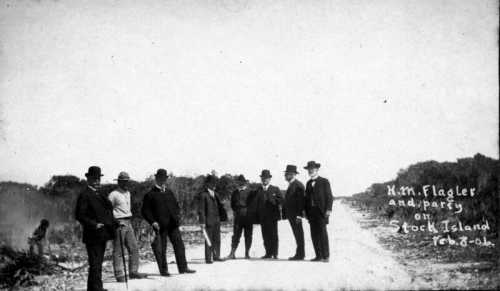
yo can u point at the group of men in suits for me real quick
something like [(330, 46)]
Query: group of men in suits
[(266, 206), (108, 218)]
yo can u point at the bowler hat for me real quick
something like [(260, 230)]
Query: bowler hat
[(265, 174), (210, 180), (94, 171), (291, 169), (312, 164), (241, 180), (123, 176), (161, 173)]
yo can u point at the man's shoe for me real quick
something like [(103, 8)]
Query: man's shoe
[(219, 260), (231, 255), (187, 271), (138, 276), (247, 257), (209, 262), (297, 258), (165, 274), (266, 257), (325, 260), (274, 257), (120, 279), (316, 259)]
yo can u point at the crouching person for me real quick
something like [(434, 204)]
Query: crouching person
[(211, 213), (39, 238), (125, 237)]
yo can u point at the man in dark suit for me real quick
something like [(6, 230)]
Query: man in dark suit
[(318, 208), (161, 209), (95, 214), (269, 201), (241, 199), (211, 213), (293, 209)]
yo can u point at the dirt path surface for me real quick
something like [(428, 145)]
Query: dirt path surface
[(357, 262)]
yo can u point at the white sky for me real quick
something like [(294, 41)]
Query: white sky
[(239, 86)]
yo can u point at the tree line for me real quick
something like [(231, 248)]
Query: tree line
[(22, 203), (479, 172)]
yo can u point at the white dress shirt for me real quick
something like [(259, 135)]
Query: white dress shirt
[(162, 188), (313, 179)]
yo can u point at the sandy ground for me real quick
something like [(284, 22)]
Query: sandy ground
[(357, 262)]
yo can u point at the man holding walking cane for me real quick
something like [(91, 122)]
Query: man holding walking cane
[(211, 213), (125, 237), (161, 209)]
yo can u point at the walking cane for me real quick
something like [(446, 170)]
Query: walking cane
[(207, 239), (123, 257)]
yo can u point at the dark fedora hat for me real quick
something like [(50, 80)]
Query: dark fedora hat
[(265, 174), (241, 180), (161, 173), (94, 171), (291, 169), (312, 165), (210, 180)]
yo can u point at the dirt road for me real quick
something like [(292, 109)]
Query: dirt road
[(357, 262)]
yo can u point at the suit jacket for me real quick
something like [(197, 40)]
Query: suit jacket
[(161, 207), (318, 198), (269, 203), (242, 204), (93, 208), (210, 209), (295, 201)]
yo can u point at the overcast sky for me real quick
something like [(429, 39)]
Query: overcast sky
[(363, 87)]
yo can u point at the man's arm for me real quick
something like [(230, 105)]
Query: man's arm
[(82, 205), (146, 210), (177, 208), (277, 199), (201, 209), (234, 200), (329, 197), (112, 199), (300, 199)]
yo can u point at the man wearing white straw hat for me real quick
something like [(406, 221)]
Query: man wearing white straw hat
[(125, 237)]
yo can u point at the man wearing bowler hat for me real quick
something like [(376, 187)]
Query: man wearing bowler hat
[(269, 200), (161, 209), (95, 213), (293, 209), (211, 213), (241, 200), (319, 200), (125, 236)]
